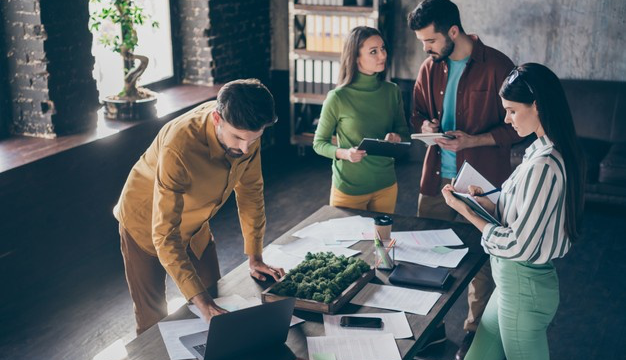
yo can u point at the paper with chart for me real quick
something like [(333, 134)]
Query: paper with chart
[(378, 347), (237, 302), (429, 238), (396, 298), (171, 331), (431, 257), (469, 176), (394, 323)]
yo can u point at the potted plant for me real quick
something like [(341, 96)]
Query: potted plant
[(132, 102)]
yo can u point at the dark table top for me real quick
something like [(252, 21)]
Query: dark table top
[(149, 345)]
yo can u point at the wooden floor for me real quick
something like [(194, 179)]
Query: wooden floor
[(80, 312)]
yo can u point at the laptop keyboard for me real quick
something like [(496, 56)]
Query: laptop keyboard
[(200, 348)]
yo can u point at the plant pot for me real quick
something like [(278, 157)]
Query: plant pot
[(116, 109)]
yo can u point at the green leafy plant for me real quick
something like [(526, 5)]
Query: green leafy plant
[(321, 277), (126, 15)]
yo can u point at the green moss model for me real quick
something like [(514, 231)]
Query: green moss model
[(321, 277)]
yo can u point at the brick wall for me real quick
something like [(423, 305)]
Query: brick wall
[(5, 110), (239, 36), (223, 40), (49, 64), (196, 54), (71, 85)]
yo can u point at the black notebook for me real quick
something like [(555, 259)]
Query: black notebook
[(413, 274)]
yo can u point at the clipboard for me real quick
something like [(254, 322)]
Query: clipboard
[(479, 210), (384, 148)]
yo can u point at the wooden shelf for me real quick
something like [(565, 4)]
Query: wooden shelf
[(308, 98), (316, 55), (334, 10)]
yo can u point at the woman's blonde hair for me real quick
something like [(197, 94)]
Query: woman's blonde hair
[(350, 54)]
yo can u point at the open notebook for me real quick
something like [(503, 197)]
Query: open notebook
[(469, 176)]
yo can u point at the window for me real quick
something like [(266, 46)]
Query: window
[(155, 43)]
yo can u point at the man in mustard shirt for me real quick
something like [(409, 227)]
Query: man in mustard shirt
[(179, 184)]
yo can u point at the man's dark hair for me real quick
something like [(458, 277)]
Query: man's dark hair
[(442, 13), (246, 104)]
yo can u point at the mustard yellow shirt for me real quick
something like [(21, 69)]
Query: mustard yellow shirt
[(179, 184)]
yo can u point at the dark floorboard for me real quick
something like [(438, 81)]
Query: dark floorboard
[(79, 312)]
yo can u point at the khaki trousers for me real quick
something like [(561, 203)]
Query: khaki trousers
[(146, 279), (383, 200), (482, 285)]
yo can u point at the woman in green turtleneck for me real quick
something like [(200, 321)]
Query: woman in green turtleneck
[(363, 105)]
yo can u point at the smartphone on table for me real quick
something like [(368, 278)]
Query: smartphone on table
[(361, 322)]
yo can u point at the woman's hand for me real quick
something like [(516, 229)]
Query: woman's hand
[(453, 202), (482, 200), (393, 137), (352, 154)]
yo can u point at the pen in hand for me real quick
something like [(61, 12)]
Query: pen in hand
[(489, 192)]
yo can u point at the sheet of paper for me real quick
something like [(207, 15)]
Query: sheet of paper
[(432, 257), (379, 347), (429, 238), (301, 247), (171, 331), (274, 256), (394, 323), (469, 176), (396, 298), (348, 228)]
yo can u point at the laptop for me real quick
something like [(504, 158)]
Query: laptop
[(257, 332)]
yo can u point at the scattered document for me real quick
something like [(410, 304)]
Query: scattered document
[(349, 228), (301, 247), (379, 347), (428, 238), (396, 298), (427, 138), (171, 331), (469, 176), (272, 255), (394, 323)]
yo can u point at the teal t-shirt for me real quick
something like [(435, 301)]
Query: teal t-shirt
[(448, 120), (366, 108)]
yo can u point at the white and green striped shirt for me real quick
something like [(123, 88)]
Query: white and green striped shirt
[(531, 209)]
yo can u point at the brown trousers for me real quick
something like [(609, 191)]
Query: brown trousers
[(482, 285), (146, 279)]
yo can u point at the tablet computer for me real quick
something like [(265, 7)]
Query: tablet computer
[(384, 148)]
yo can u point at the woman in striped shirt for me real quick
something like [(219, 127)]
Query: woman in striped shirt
[(539, 210)]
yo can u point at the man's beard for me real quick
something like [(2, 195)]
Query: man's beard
[(445, 51), (232, 152)]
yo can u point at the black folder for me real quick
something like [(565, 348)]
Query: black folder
[(418, 275), (384, 148)]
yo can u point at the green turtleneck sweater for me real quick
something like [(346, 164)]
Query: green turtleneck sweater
[(366, 108)]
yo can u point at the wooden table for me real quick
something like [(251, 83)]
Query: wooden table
[(149, 345)]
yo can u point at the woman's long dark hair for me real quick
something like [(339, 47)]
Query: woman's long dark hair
[(536, 83), (350, 54)]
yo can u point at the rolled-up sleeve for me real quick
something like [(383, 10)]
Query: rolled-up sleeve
[(251, 205), (171, 180), (322, 142)]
